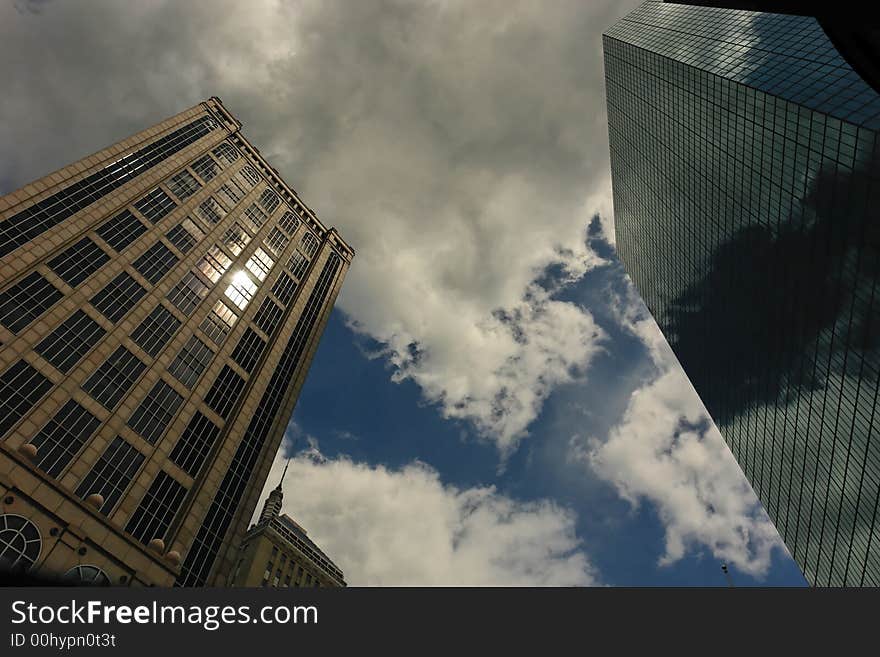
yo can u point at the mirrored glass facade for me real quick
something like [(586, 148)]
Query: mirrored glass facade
[(151, 348), (746, 182)]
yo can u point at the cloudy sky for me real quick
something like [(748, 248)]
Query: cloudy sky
[(491, 402)]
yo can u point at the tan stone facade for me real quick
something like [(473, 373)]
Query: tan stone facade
[(122, 376)]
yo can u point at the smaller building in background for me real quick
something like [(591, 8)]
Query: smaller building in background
[(277, 552)]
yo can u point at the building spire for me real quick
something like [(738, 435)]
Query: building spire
[(278, 487), (272, 507)]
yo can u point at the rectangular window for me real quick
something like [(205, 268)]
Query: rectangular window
[(155, 412), (76, 263), (63, 437), (184, 235), (260, 264), (206, 168), (155, 205), (284, 288), (111, 474), (225, 392), (289, 222), (72, 340), (114, 378), (210, 211), (192, 360), (230, 194), (276, 241), (21, 387), (156, 261), (188, 293), (214, 264), (23, 302), (226, 153), (195, 444), (298, 265), (156, 511), (121, 231), (236, 239), (118, 297), (268, 316), (183, 185), (248, 350), (218, 322), (254, 218), (156, 330), (241, 290)]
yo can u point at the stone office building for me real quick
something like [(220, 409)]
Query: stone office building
[(160, 304)]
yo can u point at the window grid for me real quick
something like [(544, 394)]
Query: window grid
[(114, 378), (224, 394), (206, 168), (183, 185), (195, 444), (260, 264), (241, 290), (210, 211), (192, 360), (24, 301), (184, 236), (188, 293), (214, 264), (218, 323), (226, 152), (268, 316), (156, 261), (284, 288), (156, 330), (72, 340), (156, 205), (63, 436), (111, 474), (154, 514), (155, 412), (248, 351), (121, 231), (289, 222), (118, 297), (276, 242), (21, 387)]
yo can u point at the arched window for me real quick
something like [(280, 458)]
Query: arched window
[(20, 542), (87, 575), (250, 175), (309, 244), (269, 200)]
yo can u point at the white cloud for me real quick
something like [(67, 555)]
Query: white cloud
[(461, 147), (664, 451), (406, 527)]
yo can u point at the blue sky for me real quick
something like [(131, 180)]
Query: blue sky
[(351, 407), (490, 403)]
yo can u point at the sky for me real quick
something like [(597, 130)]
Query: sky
[(491, 403)]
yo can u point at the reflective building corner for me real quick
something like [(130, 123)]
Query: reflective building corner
[(746, 182)]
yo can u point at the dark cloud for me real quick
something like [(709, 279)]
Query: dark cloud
[(460, 147)]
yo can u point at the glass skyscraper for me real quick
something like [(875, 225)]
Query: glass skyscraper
[(160, 304), (746, 176)]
